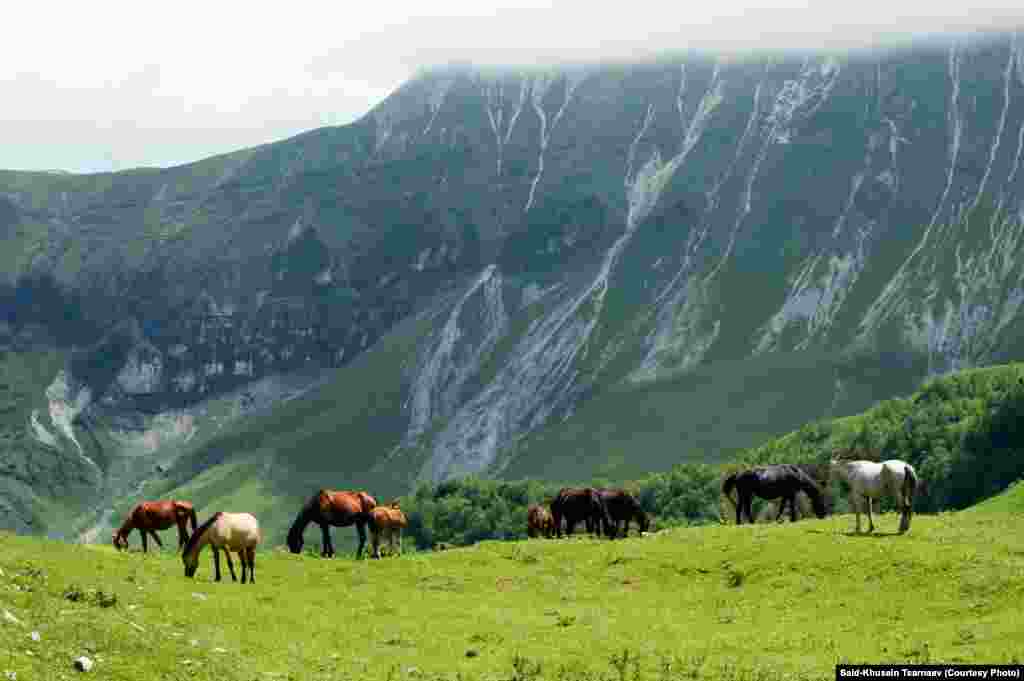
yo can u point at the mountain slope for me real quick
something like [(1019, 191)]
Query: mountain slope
[(828, 227)]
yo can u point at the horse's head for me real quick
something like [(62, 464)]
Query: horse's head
[(818, 502), (643, 520), (120, 541), (191, 561), (295, 542)]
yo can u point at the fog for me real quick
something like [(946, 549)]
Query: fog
[(87, 90)]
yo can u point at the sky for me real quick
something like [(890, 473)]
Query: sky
[(84, 89)]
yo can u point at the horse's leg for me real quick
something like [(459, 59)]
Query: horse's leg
[(374, 542), (231, 564), (792, 508), (871, 522), (748, 509), (361, 531), (156, 538), (251, 553), (782, 509), (216, 563), (145, 542), (326, 549), (182, 533)]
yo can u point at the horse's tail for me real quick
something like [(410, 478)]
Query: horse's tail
[(727, 485), (909, 486)]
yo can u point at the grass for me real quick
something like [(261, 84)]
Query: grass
[(750, 602)]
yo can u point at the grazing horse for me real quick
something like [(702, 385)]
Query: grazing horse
[(623, 507), (238, 532), (539, 522), (333, 507), (580, 503), (389, 521), (149, 516), (771, 482), (869, 480)]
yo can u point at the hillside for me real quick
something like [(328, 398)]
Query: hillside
[(761, 601), (599, 269)]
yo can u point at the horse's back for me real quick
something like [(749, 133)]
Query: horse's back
[(238, 530)]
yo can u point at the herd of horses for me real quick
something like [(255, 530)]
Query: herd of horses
[(607, 511)]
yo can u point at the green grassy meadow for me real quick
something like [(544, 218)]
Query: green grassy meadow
[(716, 602)]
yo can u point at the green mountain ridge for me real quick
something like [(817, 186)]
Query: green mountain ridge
[(519, 273)]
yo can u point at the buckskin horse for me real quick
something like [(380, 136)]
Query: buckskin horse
[(622, 508), (771, 482), (539, 521), (388, 521), (238, 532), (150, 516), (576, 504), (339, 508), (869, 480)]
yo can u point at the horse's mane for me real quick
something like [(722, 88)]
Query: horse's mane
[(194, 539)]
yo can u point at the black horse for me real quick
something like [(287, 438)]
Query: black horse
[(577, 504), (623, 508), (771, 482)]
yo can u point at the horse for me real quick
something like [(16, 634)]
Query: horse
[(238, 532), (623, 507), (333, 507), (149, 516), (539, 522), (869, 480), (771, 482), (389, 521), (580, 503)]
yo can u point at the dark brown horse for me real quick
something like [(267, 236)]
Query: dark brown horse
[(539, 522), (771, 482), (339, 508), (576, 504), (623, 507), (150, 516)]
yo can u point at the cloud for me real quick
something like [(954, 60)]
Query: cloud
[(86, 89)]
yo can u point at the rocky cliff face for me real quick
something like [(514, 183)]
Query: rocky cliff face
[(557, 232)]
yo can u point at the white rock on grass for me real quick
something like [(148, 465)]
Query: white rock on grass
[(35, 636), (10, 619), (83, 664)]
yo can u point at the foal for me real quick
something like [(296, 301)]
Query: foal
[(389, 521), (149, 516), (869, 480), (238, 532), (539, 521)]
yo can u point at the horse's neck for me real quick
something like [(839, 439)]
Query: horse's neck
[(202, 541), (126, 527), (305, 517)]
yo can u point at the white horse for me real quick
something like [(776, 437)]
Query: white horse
[(238, 532), (869, 480)]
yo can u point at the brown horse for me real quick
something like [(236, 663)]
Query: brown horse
[(389, 521), (149, 516), (539, 521), (623, 507), (577, 504), (339, 508)]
